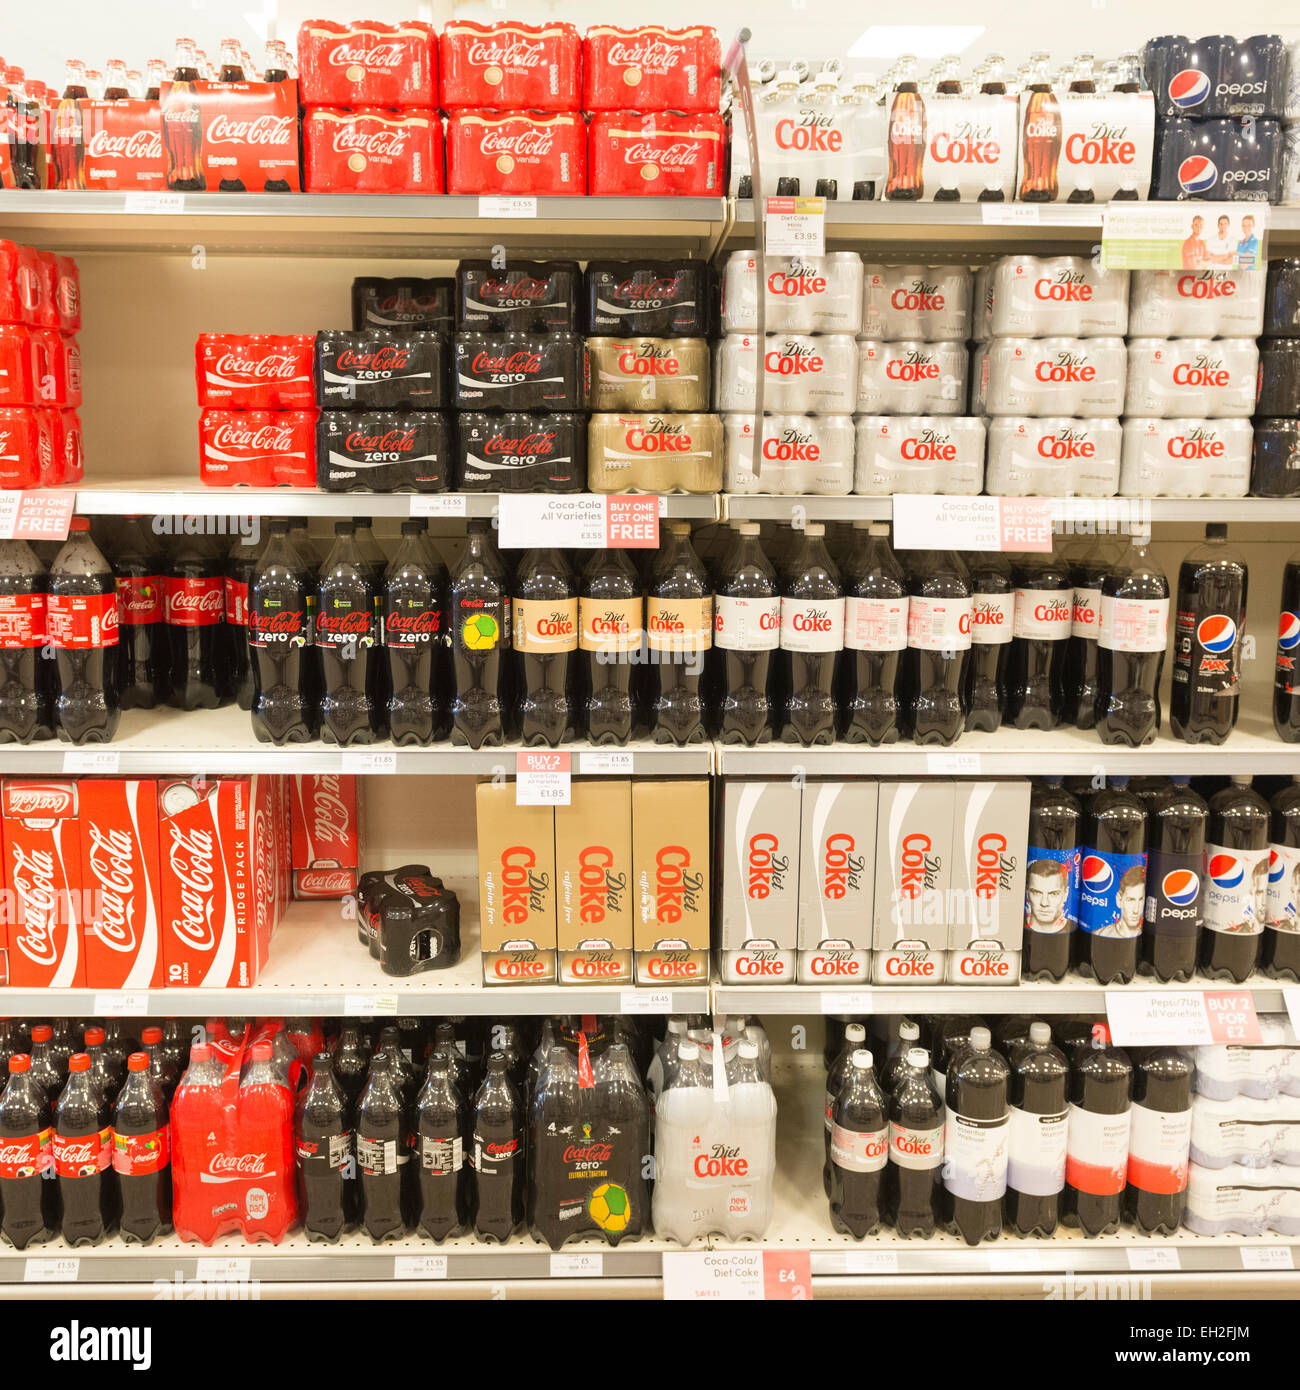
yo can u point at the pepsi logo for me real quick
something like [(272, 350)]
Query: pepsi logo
[(1197, 174), (1288, 630), (1276, 867), (1180, 887), (1226, 871), (1216, 633), (1188, 89), (1097, 874)]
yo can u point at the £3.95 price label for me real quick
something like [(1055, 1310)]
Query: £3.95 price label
[(795, 227)]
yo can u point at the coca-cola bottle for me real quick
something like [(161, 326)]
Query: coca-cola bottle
[(347, 635), (611, 621), (118, 1046), (182, 123), (812, 637), (83, 1156), (415, 638), (142, 1154), (480, 638), (498, 1154), (99, 1072), (162, 1066), (45, 1071), (1040, 142), (351, 1062), (323, 1131), (281, 628), (938, 646), (28, 1198), (993, 599), (442, 1127), (1040, 632), (1131, 645), (746, 632), (868, 683), (26, 697), (194, 608), (679, 633), (906, 136), (81, 618), (240, 564), (383, 1150), (544, 630), (143, 658)]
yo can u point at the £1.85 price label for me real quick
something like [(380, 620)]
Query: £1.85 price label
[(542, 778)]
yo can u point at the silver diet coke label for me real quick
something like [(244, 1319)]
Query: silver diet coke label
[(911, 377), (798, 454), (1054, 376), (1185, 376), (804, 294), (932, 303), (803, 374), (1040, 296)]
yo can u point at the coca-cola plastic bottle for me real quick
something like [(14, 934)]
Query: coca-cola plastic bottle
[(855, 1036), (1131, 645), (544, 633), (1040, 632), (348, 621), (351, 1062), (939, 616), (99, 1072), (679, 633), (45, 1072), (281, 628), (746, 631), (992, 624), (415, 638), (143, 655), (83, 1157), (142, 1154), (868, 684), (194, 608), (975, 1140), (480, 639), (611, 622), (161, 1066), (240, 564), (812, 637), (498, 1154), (859, 1149), (26, 697), (81, 616), (914, 1178), (323, 1131), (1079, 681), (28, 1197), (383, 1149), (442, 1128)]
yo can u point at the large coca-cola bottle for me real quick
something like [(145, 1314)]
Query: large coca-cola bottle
[(868, 681), (679, 632), (415, 639), (281, 627), (746, 634), (611, 620), (812, 637), (194, 608), (26, 696), (143, 659), (81, 618), (83, 1157), (28, 1199), (544, 629), (480, 638), (240, 564), (347, 634), (182, 123), (142, 1153)]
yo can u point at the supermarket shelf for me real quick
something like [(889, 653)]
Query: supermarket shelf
[(204, 742), (318, 967)]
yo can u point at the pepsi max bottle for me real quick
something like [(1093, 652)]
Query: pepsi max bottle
[(1286, 687), (1236, 881), (1176, 819), (1051, 881), (1209, 620), (1112, 889)]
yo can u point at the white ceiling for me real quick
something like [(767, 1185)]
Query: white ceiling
[(41, 37)]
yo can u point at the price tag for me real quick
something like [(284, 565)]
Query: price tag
[(1008, 214), (120, 1005), (1173, 1017), (846, 1001), (871, 1262), (61, 1270), (1026, 523), (36, 515), (91, 760), (419, 1266), (952, 764), (1162, 1257), (542, 779), (507, 207), (1015, 1261), (597, 764), (366, 1005), (1267, 1257), (577, 521), (748, 1276), (223, 1269), (632, 523), (154, 202), (795, 227), (370, 761), (1291, 997), (575, 1266), (645, 1001), (1232, 1016), (922, 521), (438, 504)]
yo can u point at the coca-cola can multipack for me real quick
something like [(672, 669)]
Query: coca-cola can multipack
[(120, 150), (760, 881), (651, 68), (230, 137), (42, 878), (519, 371), (518, 452), (368, 63), (520, 152), (1052, 376), (254, 371), (918, 453), (520, 297), (1052, 456), (646, 452), (799, 454), (803, 294), (371, 150), (257, 448), (1184, 376), (648, 374), (911, 377), (1205, 303), (656, 154), (1044, 296), (326, 835), (990, 830), (403, 302), (1097, 147), (381, 369), (509, 66), (803, 373), (1185, 458), (837, 870), (932, 303), (662, 299), (383, 451), (969, 152), (913, 878)]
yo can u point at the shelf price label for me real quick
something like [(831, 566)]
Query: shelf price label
[(1008, 214), (82, 760), (542, 778), (36, 515), (223, 1269), (438, 504), (645, 1001), (1267, 1257), (1181, 1017), (619, 764), (1232, 1016), (577, 1266), (63, 1269), (381, 760), (1162, 1257), (120, 1005), (923, 521), (507, 207), (364, 1005), (419, 1266), (748, 1276), (795, 226), (154, 202)]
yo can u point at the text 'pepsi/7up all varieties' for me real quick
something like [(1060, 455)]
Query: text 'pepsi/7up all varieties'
[(1236, 881), (1112, 888), (1176, 820), (1051, 881), (1210, 617)]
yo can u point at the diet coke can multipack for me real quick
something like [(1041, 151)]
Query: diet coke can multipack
[(1047, 296), (918, 453)]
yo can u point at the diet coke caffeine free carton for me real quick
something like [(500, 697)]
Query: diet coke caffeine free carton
[(913, 877), (593, 869), (758, 858), (516, 874), (837, 875), (989, 831), (325, 835), (670, 869), (42, 879)]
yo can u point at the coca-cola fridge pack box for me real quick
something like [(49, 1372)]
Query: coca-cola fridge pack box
[(670, 870), (372, 151), (230, 137), (758, 861), (1085, 147), (510, 66), (521, 152), (593, 870), (42, 879), (368, 63), (837, 873), (326, 835), (516, 874), (118, 146), (121, 881), (651, 68), (913, 878), (989, 829)]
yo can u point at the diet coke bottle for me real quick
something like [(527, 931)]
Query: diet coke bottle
[(938, 646), (1131, 646), (544, 626), (746, 633), (812, 637), (993, 601), (868, 684), (1041, 630), (679, 633)]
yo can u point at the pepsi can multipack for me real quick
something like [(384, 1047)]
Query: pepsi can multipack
[(523, 296), (1112, 884), (1217, 75), (1206, 303), (1282, 298), (1275, 465), (1225, 159), (1279, 377)]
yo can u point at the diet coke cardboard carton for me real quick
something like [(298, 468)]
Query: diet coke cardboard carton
[(509, 66), (758, 860), (371, 151), (593, 868), (913, 875), (257, 448), (1098, 147), (657, 154), (969, 153), (990, 828), (651, 68), (670, 873), (119, 150), (42, 879), (837, 874), (516, 152), (255, 371), (516, 871), (121, 883), (325, 835), (367, 63), (230, 137)]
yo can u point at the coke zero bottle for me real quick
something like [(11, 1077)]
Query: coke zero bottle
[(746, 632), (1211, 617), (143, 654), (351, 1062), (323, 1132), (1039, 1120), (142, 1154), (442, 1126), (679, 633), (29, 1197), (1131, 645), (1087, 575), (480, 638), (1280, 954), (611, 621), (81, 617), (1096, 1161), (868, 686), (383, 1150), (1039, 635), (939, 621), (1051, 881), (812, 637), (83, 1157), (1160, 1140), (975, 1140), (914, 1178), (281, 627), (544, 633), (347, 637), (859, 1149), (1176, 824), (240, 564), (1112, 886), (497, 1153), (415, 638), (26, 696), (992, 622), (1236, 881), (1286, 683), (194, 609)]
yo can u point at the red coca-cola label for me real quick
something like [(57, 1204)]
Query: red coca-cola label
[(83, 1155), (236, 602), (255, 371), (81, 621), (139, 600), (268, 626), (531, 67), (367, 63), (516, 152), (258, 448), (342, 625), (324, 883), (324, 819), (27, 1155), (230, 137), (372, 151), (656, 154), (651, 69), (194, 602), (121, 147), (138, 1155), (22, 620)]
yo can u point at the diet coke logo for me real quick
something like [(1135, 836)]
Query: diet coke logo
[(523, 144), (261, 130), (139, 144), (276, 439), (112, 861), (377, 55), (32, 876), (44, 801), (191, 857), (679, 155), (388, 142)]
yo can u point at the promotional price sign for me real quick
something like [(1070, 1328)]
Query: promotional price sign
[(795, 227)]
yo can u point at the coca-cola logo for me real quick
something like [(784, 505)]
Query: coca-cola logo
[(27, 800), (273, 365), (32, 873), (532, 143), (284, 620), (372, 55), (260, 130), (588, 1153), (330, 816), (523, 363), (681, 154), (205, 602), (351, 622), (191, 858), (512, 52), (274, 438), (139, 144), (650, 55), (394, 441), (543, 442), (387, 142), (224, 1167), (426, 621), (113, 862), (325, 883), (383, 359)]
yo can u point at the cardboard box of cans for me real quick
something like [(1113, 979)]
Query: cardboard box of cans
[(611, 889), (840, 883)]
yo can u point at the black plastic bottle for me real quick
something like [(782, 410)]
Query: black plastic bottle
[(1159, 1141), (348, 627), (142, 1154), (975, 1141), (1131, 646), (1079, 682), (746, 636), (83, 1158), (441, 1125), (1039, 1121), (859, 1149), (1209, 621), (812, 638), (679, 634), (498, 1152), (1236, 881), (1096, 1164), (323, 1131), (855, 1037), (993, 600), (544, 635), (416, 640), (1051, 881), (29, 1197), (1280, 953), (480, 642), (1112, 887), (868, 685), (1171, 929), (382, 1150), (914, 1179), (611, 619), (1039, 638)]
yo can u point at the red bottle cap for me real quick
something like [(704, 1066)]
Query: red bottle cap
[(262, 1052), (79, 1061), (42, 1033), (20, 1061), (151, 1035), (79, 523), (200, 1053), (139, 1061), (94, 1037)]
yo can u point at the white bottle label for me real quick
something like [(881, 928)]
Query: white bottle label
[(859, 1153), (975, 1157), (812, 625), (875, 624), (1134, 624), (1085, 621), (916, 1148), (1282, 885), (992, 619), (1043, 615), (1037, 1163), (1158, 1146), (746, 624), (1236, 890), (1096, 1160), (939, 624)]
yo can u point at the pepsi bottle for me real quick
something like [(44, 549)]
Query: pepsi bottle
[(812, 637), (1176, 820), (1051, 881), (993, 600), (1112, 889), (1280, 953), (1210, 618), (1236, 881), (939, 619), (1286, 684), (1044, 606), (746, 635), (1131, 646), (868, 686)]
